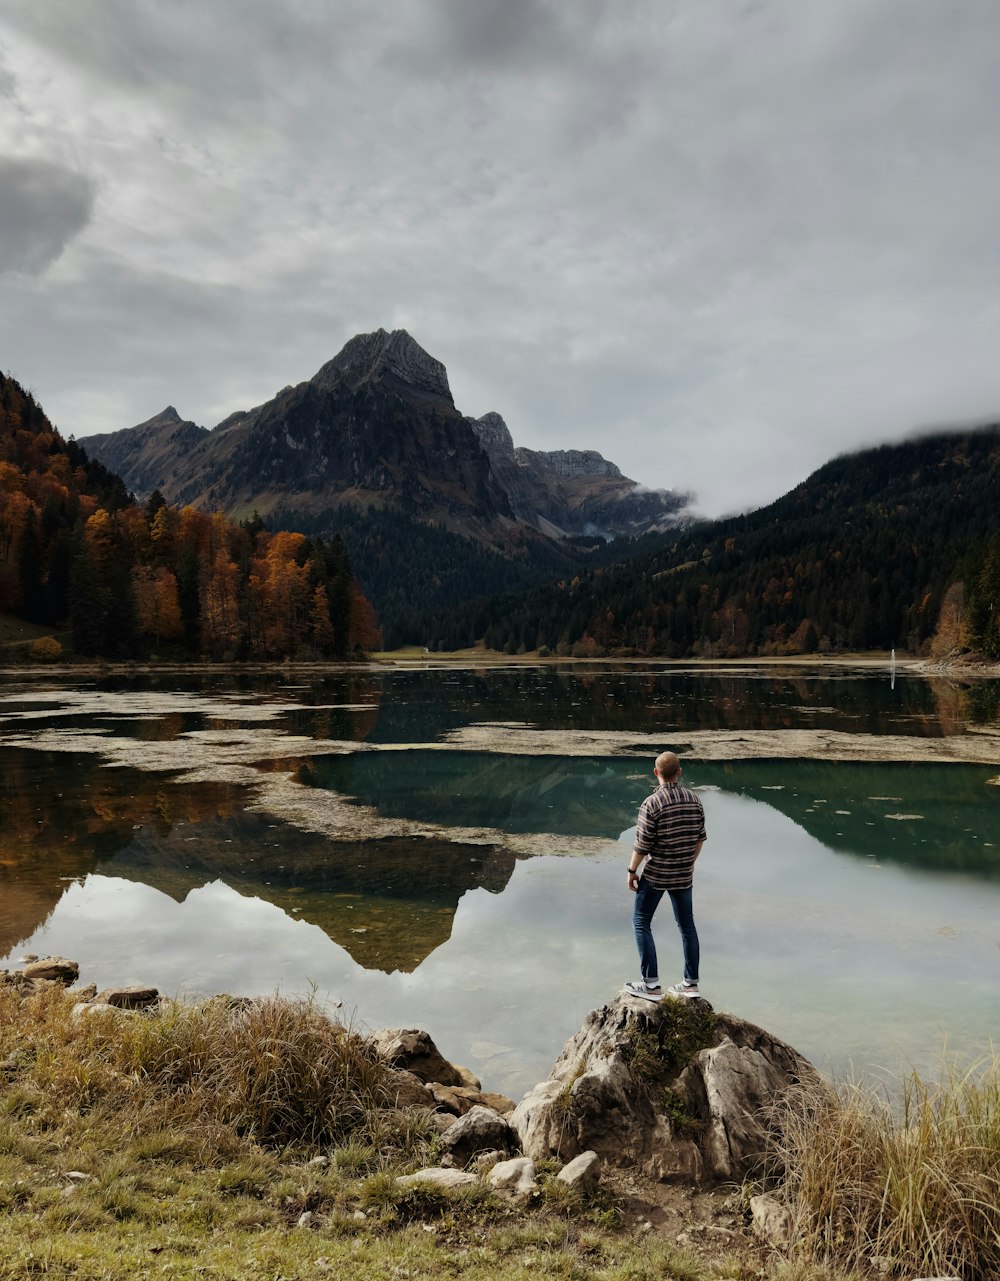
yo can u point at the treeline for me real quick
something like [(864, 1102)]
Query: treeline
[(127, 580), (860, 556), (413, 572)]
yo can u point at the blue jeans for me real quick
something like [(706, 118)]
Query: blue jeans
[(647, 900)]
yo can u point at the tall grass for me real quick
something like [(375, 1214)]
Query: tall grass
[(275, 1070), (914, 1188)]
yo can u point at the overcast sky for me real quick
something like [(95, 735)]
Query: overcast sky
[(718, 241)]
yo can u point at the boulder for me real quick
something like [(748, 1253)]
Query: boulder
[(514, 1178), (54, 968), (413, 1050), (460, 1099), (772, 1221), (408, 1091), (135, 997), (671, 1088), (583, 1172), (479, 1130), (440, 1178)]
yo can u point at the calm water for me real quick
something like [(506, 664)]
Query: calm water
[(851, 908)]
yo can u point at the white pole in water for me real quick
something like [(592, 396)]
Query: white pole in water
[(892, 670)]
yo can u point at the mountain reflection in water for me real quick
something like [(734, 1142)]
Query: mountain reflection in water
[(850, 907)]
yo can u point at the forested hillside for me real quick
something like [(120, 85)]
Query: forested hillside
[(412, 568), (76, 553), (859, 556)]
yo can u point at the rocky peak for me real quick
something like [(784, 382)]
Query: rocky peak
[(494, 436), (580, 462), (369, 358)]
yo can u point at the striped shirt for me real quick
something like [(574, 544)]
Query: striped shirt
[(671, 825)]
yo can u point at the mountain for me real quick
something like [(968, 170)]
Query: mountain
[(864, 554), (573, 491), (377, 427), (77, 553), (145, 454)]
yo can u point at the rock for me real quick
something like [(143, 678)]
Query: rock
[(620, 1089), (480, 1130), (514, 1178), (460, 1099), (446, 1179), (772, 1221), (84, 993), (85, 1009), (409, 1091), (583, 1172), (469, 1079), (498, 1102), (305, 1219), (129, 998), (413, 1050), (55, 968)]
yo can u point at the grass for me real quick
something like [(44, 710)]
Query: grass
[(918, 1186), (191, 1142), (657, 1054)]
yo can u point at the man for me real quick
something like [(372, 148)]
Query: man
[(669, 836)]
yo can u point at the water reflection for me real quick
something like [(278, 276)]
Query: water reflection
[(850, 907)]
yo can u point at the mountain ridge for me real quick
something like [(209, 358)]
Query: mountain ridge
[(377, 426)]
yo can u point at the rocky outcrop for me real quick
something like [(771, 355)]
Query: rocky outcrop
[(572, 491), (370, 358), (674, 1089)]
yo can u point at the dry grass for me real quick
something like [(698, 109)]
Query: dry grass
[(277, 1071), (183, 1143), (916, 1188)]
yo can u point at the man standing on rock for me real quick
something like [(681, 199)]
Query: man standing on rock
[(669, 835)]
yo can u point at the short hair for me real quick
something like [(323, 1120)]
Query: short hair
[(668, 764)]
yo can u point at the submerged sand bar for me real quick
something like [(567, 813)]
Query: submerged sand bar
[(246, 738)]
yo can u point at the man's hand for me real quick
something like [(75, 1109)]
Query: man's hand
[(633, 880)]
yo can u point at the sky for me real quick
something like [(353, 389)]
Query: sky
[(718, 242)]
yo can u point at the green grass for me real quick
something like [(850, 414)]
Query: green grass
[(657, 1054)]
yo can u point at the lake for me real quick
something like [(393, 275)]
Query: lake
[(446, 847)]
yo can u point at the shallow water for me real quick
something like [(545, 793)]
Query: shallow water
[(185, 837)]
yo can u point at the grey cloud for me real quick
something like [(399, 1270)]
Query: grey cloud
[(718, 243), (43, 206)]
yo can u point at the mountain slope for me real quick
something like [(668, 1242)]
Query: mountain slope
[(858, 556)]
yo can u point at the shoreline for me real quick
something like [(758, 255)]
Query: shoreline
[(395, 660)]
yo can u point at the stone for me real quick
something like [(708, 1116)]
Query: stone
[(597, 1099), (408, 1091), (87, 1009), (583, 1172), (479, 1130), (84, 993), (514, 1178), (414, 1051), (135, 997), (55, 968), (305, 1219), (460, 1099), (772, 1221), (469, 1079), (440, 1178)]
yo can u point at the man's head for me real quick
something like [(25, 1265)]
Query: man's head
[(667, 767)]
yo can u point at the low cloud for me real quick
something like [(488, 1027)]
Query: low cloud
[(43, 206)]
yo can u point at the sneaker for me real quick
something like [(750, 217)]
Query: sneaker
[(684, 988), (644, 989)]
